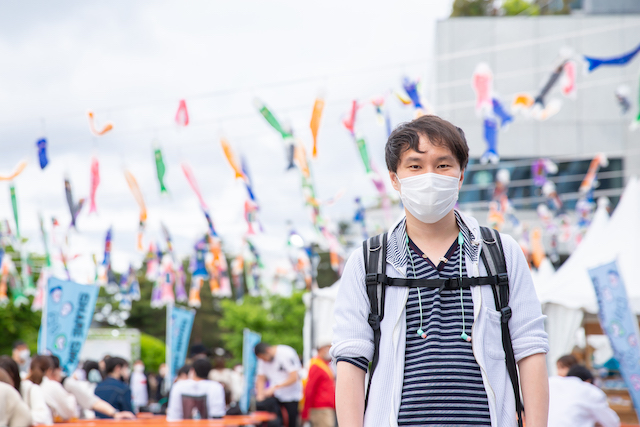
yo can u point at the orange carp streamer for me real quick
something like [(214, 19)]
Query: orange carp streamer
[(231, 158), (16, 171), (137, 194), (92, 126), (318, 107)]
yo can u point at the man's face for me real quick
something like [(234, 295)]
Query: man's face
[(265, 357), (125, 372), (434, 159), (21, 352), (562, 370)]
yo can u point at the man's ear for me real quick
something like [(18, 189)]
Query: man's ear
[(461, 179), (394, 181)]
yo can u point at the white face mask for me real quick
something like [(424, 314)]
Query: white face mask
[(24, 354), (429, 196), (138, 368)]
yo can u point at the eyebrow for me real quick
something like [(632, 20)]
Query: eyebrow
[(448, 157), (412, 159)]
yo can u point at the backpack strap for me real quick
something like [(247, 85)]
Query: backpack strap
[(375, 262), (493, 258)]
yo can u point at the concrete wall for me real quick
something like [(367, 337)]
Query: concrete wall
[(521, 52)]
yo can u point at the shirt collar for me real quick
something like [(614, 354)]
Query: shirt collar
[(397, 253)]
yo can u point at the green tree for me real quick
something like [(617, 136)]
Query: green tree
[(472, 8), (18, 323), (278, 319), (520, 7), (152, 352)]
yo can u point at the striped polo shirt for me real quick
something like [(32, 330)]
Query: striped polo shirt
[(442, 383)]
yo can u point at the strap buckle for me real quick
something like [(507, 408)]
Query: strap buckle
[(506, 314), (374, 321), (503, 278), (454, 282), (371, 279)]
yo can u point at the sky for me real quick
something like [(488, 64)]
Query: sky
[(132, 62)]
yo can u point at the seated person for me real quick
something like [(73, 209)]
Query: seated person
[(13, 411), (113, 389), (196, 397), (62, 404), (575, 401)]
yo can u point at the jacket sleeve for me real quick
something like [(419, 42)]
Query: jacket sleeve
[(527, 321), (600, 410), (126, 401), (352, 334)]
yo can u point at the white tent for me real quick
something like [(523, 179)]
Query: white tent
[(569, 292), (319, 304)]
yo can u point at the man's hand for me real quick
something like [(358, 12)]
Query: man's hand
[(124, 415), (270, 391)]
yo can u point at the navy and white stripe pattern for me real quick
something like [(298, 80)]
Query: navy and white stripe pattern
[(442, 381)]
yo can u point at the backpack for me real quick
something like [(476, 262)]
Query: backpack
[(375, 259)]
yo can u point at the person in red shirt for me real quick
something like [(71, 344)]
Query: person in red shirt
[(319, 395)]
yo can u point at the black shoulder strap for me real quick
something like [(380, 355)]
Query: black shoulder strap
[(375, 262), (492, 254)]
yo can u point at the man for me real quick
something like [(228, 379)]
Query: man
[(319, 393), (279, 365), (22, 356), (196, 397), (575, 402), (441, 358), (113, 389)]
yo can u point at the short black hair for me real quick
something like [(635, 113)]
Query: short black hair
[(18, 343), (55, 361), (197, 349), (440, 133), (202, 368), (261, 348), (184, 370), (581, 372), (112, 363)]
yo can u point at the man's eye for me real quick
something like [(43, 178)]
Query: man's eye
[(414, 167), (443, 166)]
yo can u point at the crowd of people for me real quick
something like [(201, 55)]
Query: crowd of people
[(35, 390)]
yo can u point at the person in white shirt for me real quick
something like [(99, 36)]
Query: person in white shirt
[(196, 397), (575, 402), (31, 392), (279, 365), (138, 385), (13, 411), (229, 378)]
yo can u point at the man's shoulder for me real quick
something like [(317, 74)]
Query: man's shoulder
[(213, 385)]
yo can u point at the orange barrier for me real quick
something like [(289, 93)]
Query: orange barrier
[(147, 420)]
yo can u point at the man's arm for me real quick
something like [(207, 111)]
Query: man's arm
[(174, 408), (105, 408), (535, 389), (126, 401), (350, 395), (602, 413), (260, 391)]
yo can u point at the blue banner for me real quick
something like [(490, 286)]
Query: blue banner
[(249, 366), (66, 318), (178, 335), (620, 324)]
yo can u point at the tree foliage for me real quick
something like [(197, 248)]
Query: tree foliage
[(152, 352), (18, 323), (472, 8), (520, 7), (278, 319)]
